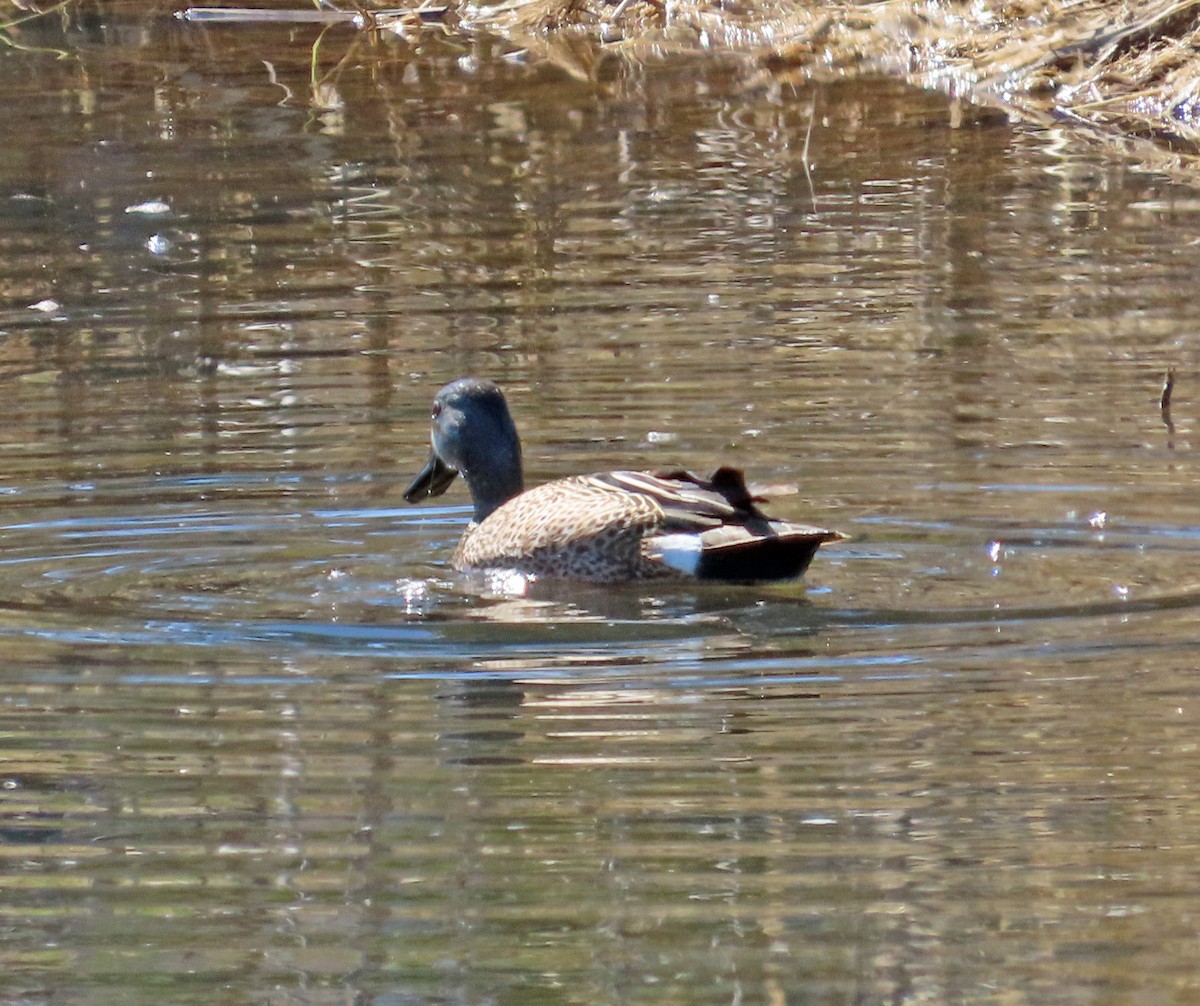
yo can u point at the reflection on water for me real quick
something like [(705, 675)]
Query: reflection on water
[(258, 740)]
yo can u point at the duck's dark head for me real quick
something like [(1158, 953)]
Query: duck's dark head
[(474, 436)]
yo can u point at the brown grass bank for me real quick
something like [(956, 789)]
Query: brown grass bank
[(1125, 68)]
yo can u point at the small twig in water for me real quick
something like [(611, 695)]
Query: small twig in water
[(1165, 401), (812, 115)]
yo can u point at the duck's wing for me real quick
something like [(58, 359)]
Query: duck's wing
[(691, 503), (688, 502), (714, 529)]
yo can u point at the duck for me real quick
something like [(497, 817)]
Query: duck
[(608, 527)]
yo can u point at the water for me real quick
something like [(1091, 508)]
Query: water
[(258, 743)]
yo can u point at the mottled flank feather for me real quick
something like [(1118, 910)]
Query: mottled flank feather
[(575, 527)]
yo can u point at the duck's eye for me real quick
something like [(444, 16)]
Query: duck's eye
[(437, 410)]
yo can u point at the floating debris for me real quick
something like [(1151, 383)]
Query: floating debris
[(392, 17), (257, 15), (150, 208)]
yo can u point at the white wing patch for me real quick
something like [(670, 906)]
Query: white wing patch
[(679, 551)]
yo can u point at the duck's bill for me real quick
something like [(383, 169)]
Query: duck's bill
[(433, 480)]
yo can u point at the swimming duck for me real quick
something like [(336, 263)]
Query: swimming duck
[(603, 528)]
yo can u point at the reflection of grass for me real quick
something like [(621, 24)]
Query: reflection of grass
[(323, 97), (6, 29), (1112, 67)]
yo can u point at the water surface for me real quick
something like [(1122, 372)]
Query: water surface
[(258, 742)]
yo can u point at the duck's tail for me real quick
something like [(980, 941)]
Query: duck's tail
[(778, 551)]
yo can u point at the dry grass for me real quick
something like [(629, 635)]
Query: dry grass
[(1124, 67), (1130, 68)]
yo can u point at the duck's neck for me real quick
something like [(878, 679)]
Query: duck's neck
[(493, 487)]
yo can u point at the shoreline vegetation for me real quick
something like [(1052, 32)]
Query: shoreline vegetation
[(1123, 71)]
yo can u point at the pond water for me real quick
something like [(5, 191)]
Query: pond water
[(259, 743)]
